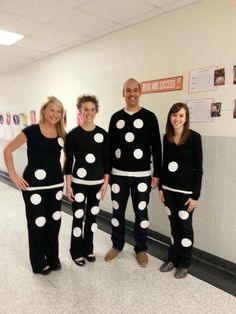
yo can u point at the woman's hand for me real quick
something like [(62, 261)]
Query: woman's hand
[(20, 182), (70, 194), (191, 204), (154, 182), (161, 197), (103, 190)]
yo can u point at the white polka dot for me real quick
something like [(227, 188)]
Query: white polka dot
[(90, 158), (81, 172), (40, 174), (98, 137), (59, 195), (56, 215), (129, 137), (138, 123), (115, 188), (115, 222), (79, 213), (77, 232), (142, 187), (186, 242), (118, 153), (115, 204), (40, 221), (172, 240), (94, 227), (95, 210), (35, 199), (183, 214), (167, 210), (138, 153), (79, 197), (173, 166), (144, 224), (98, 195), (142, 205), (120, 124), (60, 141)]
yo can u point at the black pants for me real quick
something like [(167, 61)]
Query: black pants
[(180, 250), (86, 196), (121, 188), (43, 213)]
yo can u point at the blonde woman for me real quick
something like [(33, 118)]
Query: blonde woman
[(41, 183)]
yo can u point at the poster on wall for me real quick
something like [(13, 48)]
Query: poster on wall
[(202, 80), (234, 73), (8, 118), (16, 119), (216, 109), (32, 116), (234, 115), (200, 110), (23, 119), (162, 85)]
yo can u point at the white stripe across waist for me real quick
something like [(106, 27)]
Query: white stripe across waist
[(136, 174), (47, 187), (176, 190), (86, 182)]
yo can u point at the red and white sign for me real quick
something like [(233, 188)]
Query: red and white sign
[(162, 85)]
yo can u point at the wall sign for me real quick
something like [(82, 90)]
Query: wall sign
[(162, 85)]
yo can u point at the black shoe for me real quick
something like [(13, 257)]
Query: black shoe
[(45, 271), (181, 272), (56, 267), (90, 258), (80, 262), (166, 267)]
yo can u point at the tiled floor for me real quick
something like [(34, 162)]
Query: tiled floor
[(107, 288)]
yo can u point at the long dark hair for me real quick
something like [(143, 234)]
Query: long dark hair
[(169, 127)]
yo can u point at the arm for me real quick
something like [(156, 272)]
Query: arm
[(104, 186), (68, 166), (106, 166), (18, 141), (156, 152), (69, 191)]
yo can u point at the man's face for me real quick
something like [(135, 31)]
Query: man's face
[(131, 93)]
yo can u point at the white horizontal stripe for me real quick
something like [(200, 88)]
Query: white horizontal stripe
[(87, 182), (47, 187), (136, 174), (176, 190)]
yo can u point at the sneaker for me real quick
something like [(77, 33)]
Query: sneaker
[(167, 266), (111, 255), (142, 259), (181, 272)]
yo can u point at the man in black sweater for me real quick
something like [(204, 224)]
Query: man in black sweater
[(134, 142)]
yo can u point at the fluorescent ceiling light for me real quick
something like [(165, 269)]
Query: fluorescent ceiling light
[(9, 38)]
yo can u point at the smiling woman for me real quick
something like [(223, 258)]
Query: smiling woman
[(42, 183)]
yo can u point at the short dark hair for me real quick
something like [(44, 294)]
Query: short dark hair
[(85, 98)]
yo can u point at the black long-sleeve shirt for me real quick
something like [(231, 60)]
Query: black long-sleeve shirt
[(87, 154), (182, 165), (134, 140)]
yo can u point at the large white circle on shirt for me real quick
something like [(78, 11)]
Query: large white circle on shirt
[(167, 210), (98, 195), (186, 242), (142, 205), (115, 222), (173, 166), (95, 210), (77, 232), (129, 137), (118, 153), (59, 195), (35, 199), (79, 197), (115, 204), (183, 214), (98, 137), (40, 174), (40, 221), (172, 240), (60, 141), (138, 123), (115, 188), (90, 158), (94, 227), (144, 224), (56, 215), (142, 187), (81, 172), (120, 124), (79, 213), (138, 153)]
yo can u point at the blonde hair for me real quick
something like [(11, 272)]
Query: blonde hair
[(60, 125)]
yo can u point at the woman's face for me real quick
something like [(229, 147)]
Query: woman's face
[(88, 111), (178, 119), (52, 113)]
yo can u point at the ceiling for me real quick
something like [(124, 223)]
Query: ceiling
[(51, 26)]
